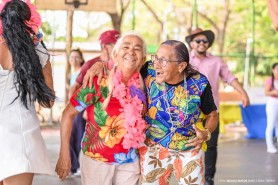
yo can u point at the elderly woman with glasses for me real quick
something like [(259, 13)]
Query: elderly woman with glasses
[(177, 95), (115, 126)]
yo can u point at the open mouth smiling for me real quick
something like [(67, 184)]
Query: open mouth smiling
[(130, 59)]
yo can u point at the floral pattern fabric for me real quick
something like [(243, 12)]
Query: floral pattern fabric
[(105, 129), (173, 109), (158, 164)]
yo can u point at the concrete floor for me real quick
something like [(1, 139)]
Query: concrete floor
[(240, 162)]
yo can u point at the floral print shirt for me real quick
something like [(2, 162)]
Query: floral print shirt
[(105, 129), (173, 109)]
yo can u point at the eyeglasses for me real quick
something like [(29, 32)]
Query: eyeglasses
[(198, 41), (162, 61)]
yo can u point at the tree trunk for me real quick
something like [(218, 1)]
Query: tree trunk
[(221, 36), (220, 32), (155, 16), (70, 14), (116, 18), (116, 21)]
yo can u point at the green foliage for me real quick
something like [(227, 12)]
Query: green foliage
[(176, 16), (80, 39), (63, 39), (46, 28), (239, 29)]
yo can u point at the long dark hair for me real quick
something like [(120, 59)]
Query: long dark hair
[(182, 54), (272, 75), (29, 80)]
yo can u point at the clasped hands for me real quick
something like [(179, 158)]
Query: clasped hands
[(63, 166)]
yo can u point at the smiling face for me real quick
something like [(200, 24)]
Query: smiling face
[(75, 59), (198, 44), (130, 54), (172, 72)]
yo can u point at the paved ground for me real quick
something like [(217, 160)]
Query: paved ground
[(240, 161)]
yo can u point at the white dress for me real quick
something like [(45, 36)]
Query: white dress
[(22, 148)]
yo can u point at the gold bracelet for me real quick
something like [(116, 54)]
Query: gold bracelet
[(208, 134)]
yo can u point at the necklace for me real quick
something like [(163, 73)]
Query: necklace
[(132, 108), (177, 117)]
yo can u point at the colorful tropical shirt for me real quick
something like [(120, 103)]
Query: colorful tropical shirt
[(174, 108), (105, 129)]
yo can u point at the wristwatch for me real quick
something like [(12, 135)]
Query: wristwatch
[(208, 134)]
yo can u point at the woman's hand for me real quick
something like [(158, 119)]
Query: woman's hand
[(64, 163), (95, 70), (63, 166), (198, 141)]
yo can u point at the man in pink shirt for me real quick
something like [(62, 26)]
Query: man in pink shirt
[(213, 68)]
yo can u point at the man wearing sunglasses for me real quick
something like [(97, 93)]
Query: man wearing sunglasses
[(213, 68)]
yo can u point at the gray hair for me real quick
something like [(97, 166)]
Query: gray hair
[(116, 49), (120, 41)]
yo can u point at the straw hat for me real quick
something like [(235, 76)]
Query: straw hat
[(198, 31)]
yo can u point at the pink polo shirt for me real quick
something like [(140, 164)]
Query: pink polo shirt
[(213, 68)]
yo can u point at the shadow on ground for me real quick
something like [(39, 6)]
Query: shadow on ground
[(240, 161)]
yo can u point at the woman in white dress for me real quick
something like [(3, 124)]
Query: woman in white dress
[(25, 77)]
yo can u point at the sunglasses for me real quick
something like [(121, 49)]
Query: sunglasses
[(198, 41)]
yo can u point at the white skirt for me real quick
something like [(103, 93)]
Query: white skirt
[(22, 148)]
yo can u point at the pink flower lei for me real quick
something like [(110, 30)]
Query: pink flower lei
[(132, 108), (35, 20)]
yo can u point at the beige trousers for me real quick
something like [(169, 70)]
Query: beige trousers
[(99, 173)]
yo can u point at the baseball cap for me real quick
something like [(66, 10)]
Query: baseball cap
[(109, 37)]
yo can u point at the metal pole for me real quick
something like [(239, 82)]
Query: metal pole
[(247, 64), (252, 52), (253, 27), (70, 14), (50, 121), (133, 15), (195, 15)]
